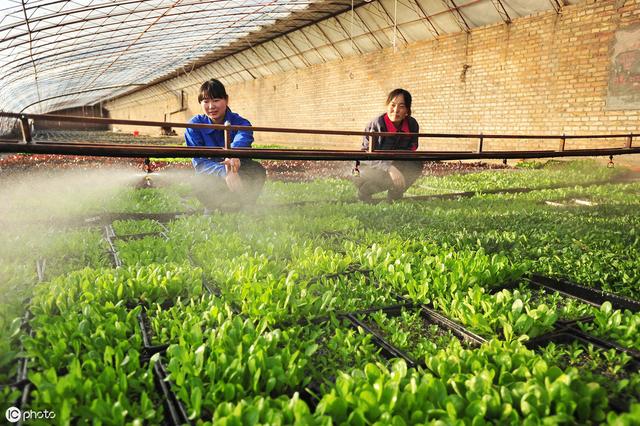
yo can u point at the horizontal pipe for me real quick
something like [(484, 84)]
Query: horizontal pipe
[(127, 150), (69, 118)]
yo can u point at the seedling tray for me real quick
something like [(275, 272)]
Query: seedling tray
[(561, 322), (141, 235), (437, 318), (324, 318), (388, 350), (215, 291), (177, 415), (563, 337), (520, 190), (176, 411), (163, 233), (635, 354), (458, 330), (148, 350), (571, 334), (350, 270), (586, 294), (109, 235), (22, 382), (428, 315), (107, 218)]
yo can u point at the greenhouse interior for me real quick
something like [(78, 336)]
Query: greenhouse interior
[(329, 212)]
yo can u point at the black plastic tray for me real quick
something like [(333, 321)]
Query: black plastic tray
[(353, 268), (148, 350), (457, 329), (215, 291), (22, 382), (175, 408), (388, 350), (176, 411), (431, 316), (141, 235), (460, 331), (586, 294), (339, 315), (109, 235), (570, 335), (519, 190)]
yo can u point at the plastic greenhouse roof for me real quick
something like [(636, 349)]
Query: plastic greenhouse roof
[(57, 54), (61, 53)]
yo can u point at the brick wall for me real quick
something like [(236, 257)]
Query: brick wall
[(543, 74)]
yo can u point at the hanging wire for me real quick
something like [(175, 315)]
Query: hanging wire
[(351, 30), (395, 25)]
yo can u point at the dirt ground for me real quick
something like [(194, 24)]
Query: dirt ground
[(291, 170)]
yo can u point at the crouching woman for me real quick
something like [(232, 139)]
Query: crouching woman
[(391, 176), (223, 183)]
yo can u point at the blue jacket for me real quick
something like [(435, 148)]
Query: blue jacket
[(212, 137)]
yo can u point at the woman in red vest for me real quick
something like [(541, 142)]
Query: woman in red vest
[(391, 176)]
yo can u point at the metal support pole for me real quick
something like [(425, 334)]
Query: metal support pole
[(480, 143), (227, 136), (26, 130), (563, 141), (629, 140)]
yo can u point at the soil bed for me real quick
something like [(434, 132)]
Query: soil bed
[(290, 170)]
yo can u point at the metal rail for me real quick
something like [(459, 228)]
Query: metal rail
[(105, 150), (131, 150)]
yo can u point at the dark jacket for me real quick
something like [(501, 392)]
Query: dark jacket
[(397, 142)]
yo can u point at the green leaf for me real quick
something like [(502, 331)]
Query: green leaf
[(369, 398), (372, 372), (251, 416), (517, 306), (476, 408), (311, 349), (196, 402)]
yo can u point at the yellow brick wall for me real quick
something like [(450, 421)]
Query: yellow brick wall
[(543, 74)]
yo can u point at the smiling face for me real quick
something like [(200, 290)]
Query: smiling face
[(214, 108), (397, 110)]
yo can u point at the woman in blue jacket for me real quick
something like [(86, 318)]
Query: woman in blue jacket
[(391, 176), (223, 182)]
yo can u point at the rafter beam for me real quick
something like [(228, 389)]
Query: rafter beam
[(313, 46), (368, 29), (501, 10), (295, 49), (330, 43), (557, 5), (33, 63), (393, 20), (425, 15), (347, 35), (457, 15)]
